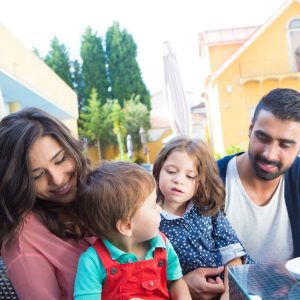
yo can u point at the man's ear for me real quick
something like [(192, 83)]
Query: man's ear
[(124, 227), (250, 129)]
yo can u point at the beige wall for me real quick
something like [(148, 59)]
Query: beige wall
[(24, 66)]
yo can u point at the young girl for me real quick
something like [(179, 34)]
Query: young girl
[(130, 259), (192, 195)]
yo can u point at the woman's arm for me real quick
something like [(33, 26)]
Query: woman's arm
[(33, 277)]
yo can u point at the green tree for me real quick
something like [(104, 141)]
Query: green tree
[(119, 125), (58, 60), (123, 69), (37, 52), (137, 116), (92, 120), (94, 71), (78, 83)]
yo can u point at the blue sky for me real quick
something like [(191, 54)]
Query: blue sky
[(151, 22)]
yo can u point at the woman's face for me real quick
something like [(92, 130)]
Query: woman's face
[(53, 170)]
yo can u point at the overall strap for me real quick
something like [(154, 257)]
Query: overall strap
[(163, 237), (161, 252), (103, 254)]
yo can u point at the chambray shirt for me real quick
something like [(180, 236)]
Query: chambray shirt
[(91, 274), (201, 241)]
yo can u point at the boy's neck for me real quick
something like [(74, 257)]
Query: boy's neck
[(128, 245)]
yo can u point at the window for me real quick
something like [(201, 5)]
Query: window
[(294, 35)]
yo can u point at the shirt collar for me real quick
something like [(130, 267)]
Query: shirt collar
[(170, 216), (116, 253)]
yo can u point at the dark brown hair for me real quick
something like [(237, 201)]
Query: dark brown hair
[(210, 193), (283, 103), (18, 131), (112, 192)]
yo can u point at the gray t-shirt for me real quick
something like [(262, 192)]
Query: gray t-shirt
[(264, 230)]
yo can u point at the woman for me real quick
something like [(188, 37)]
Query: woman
[(40, 167)]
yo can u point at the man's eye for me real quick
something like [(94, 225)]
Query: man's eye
[(285, 145)]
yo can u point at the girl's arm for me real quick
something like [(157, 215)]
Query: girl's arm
[(179, 290)]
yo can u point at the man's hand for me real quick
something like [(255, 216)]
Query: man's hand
[(203, 283)]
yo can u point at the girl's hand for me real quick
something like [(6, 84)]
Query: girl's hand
[(202, 286)]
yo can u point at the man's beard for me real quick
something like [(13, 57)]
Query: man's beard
[(261, 173)]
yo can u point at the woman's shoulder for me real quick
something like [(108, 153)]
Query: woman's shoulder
[(34, 238), (30, 229), (31, 226)]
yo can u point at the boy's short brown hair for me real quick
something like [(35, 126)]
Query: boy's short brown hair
[(114, 191)]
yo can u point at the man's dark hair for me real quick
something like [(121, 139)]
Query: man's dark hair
[(284, 104)]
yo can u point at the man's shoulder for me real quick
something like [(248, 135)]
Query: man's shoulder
[(223, 163), (224, 160), (294, 170)]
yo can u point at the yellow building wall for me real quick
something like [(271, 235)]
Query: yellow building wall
[(269, 54), (220, 53)]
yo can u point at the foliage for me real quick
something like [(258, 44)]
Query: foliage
[(137, 116), (124, 72), (217, 155), (234, 149), (58, 60), (92, 120), (94, 65), (106, 73), (78, 83), (119, 123), (36, 52)]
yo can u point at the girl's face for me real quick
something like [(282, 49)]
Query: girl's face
[(177, 181), (54, 171)]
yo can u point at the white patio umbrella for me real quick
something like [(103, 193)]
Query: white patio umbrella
[(129, 146), (180, 115)]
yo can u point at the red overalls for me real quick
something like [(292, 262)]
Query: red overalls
[(145, 279)]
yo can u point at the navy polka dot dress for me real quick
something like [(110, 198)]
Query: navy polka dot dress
[(201, 241)]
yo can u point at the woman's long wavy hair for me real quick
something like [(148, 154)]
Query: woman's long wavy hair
[(18, 131), (209, 196)]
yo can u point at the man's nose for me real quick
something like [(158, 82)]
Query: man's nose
[(271, 152)]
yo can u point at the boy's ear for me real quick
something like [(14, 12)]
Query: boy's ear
[(124, 227)]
